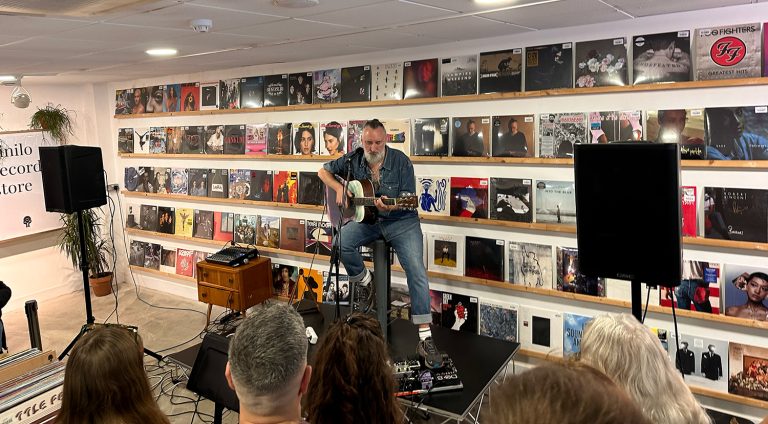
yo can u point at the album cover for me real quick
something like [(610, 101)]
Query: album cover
[(162, 182), (168, 260), (622, 290), (179, 178), (701, 361), (556, 202), (317, 238), (728, 52), (300, 88), (699, 289), (203, 225), (445, 253), (209, 95), (252, 92), (136, 257), (284, 279), (125, 140), (326, 85), (239, 183), (601, 63), (218, 180), (355, 134), (688, 210), (512, 136), (611, 126), (498, 320), (310, 285), (173, 140), (682, 126), (436, 306), (148, 218), (285, 187), (736, 214), (166, 217), (737, 133), (223, 226), (152, 253), (172, 100), (292, 232), (305, 138), (214, 139), (123, 99), (198, 182), (459, 312), (663, 336), (192, 139), (276, 90), (387, 82), (156, 95), (484, 258), (157, 140), (559, 133), (541, 330), (185, 262), (356, 84), (745, 289), (139, 96), (229, 93), (471, 136), (245, 229), (431, 136), (268, 231), (311, 189), (145, 180), (433, 194), (420, 79), (200, 256), (132, 179), (234, 139), (141, 140), (458, 75), (469, 197), (549, 67), (279, 138), (190, 96), (747, 367), (501, 71), (260, 186), (573, 329), (184, 220), (664, 57), (398, 134), (334, 138), (570, 279), (510, 200), (530, 264), (329, 288), (400, 303), (132, 216), (256, 139)]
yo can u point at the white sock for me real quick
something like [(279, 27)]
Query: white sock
[(424, 333), (367, 278)]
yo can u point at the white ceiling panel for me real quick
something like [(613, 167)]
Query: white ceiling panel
[(559, 14), (388, 14), (181, 14), (292, 29), (465, 28), (266, 6), (388, 39), (75, 47), (27, 26), (467, 6), (121, 34), (656, 7)]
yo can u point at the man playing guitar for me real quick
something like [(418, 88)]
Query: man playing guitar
[(391, 173)]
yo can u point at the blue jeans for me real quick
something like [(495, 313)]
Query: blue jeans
[(405, 236), (685, 296)]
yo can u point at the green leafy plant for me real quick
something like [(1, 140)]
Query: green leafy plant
[(54, 119), (97, 247)]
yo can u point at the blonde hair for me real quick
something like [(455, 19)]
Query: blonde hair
[(632, 356)]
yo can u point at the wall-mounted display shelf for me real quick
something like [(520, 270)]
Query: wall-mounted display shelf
[(187, 198)]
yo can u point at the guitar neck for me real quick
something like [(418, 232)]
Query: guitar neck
[(370, 201)]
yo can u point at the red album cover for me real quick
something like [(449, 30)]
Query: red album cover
[(185, 262), (469, 197), (223, 226), (292, 234), (285, 187), (420, 79), (190, 96), (689, 211)]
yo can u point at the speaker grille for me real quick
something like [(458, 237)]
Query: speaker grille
[(63, 7)]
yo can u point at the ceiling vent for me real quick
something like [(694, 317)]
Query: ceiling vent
[(64, 7), (295, 4)]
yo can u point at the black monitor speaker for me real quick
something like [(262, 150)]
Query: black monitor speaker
[(628, 221), (73, 178), (207, 377)]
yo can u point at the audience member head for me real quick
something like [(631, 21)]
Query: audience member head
[(105, 381), (632, 356), (267, 365), (353, 381), (568, 393)]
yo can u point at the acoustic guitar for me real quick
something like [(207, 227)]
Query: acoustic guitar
[(361, 206)]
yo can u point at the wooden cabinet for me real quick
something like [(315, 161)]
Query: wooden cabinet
[(235, 288)]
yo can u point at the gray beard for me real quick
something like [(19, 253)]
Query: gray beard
[(374, 158)]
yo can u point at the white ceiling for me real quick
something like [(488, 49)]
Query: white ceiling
[(110, 47)]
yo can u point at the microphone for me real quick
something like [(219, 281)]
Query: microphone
[(354, 153)]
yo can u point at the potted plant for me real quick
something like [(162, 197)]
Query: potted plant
[(97, 249), (55, 120)]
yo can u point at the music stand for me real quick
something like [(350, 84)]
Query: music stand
[(207, 377)]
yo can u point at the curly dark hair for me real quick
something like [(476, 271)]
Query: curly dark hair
[(352, 380)]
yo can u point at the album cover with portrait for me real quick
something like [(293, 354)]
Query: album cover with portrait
[(125, 140), (252, 92), (736, 214), (239, 183), (555, 202), (260, 185), (530, 264), (728, 52), (431, 136), (541, 330), (333, 138), (173, 140), (317, 238), (203, 226), (224, 226), (218, 183), (179, 177), (433, 194), (356, 84), (172, 98), (458, 75), (229, 93), (445, 253), (663, 57), (311, 189), (245, 229), (498, 320), (512, 136), (398, 134), (284, 279), (190, 96), (185, 220), (300, 88), (292, 232), (148, 218), (305, 138), (136, 256), (330, 291), (484, 258), (326, 86), (157, 142), (570, 279), (276, 90), (145, 180), (192, 139), (469, 197), (704, 360), (209, 95), (268, 231), (139, 97), (560, 132), (310, 285), (747, 367), (510, 199), (470, 136), (123, 99), (166, 217), (615, 125), (355, 134), (279, 138), (459, 312), (152, 253), (198, 182), (387, 81), (736, 133), (601, 63), (682, 126), (420, 79), (745, 288), (162, 181), (501, 71), (256, 139), (699, 289), (155, 99), (285, 187), (168, 259), (573, 329), (549, 67), (214, 139), (234, 139)]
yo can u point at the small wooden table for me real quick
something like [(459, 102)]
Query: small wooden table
[(236, 288)]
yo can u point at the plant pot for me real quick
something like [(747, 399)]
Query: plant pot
[(101, 285)]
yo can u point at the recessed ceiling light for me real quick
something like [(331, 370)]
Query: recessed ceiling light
[(162, 52), (7, 78), (294, 4)]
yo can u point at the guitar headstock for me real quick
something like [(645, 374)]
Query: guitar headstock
[(408, 202)]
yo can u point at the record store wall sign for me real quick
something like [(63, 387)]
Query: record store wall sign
[(22, 206)]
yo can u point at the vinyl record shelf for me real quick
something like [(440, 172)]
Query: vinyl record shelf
[(742, 82)]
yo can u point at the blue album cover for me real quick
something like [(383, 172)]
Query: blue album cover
[(573, 329)]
